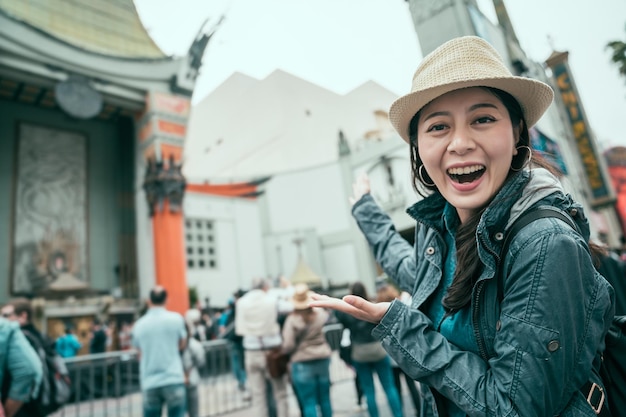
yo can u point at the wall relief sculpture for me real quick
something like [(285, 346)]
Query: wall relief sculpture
[(49, 248)]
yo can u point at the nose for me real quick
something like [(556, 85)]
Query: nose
[(462, 142)]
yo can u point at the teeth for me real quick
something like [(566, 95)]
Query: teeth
[(465, 170)]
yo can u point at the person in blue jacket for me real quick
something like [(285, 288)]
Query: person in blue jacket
[(20, 368), (68, 345), (535, 351)]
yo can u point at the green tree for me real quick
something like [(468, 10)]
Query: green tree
[(193, 297), (618, 55)]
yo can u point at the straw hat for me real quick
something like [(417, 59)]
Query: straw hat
[(301, 297), (468, 61)]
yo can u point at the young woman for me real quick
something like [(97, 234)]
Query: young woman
[(535, 352), (304, 339)]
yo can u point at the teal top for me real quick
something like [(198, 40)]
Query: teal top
[(20, 360), (68, 345), (456, 327), (157, 335)]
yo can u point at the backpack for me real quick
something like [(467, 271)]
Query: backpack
[(613, 371), (613, 365), (55, 389)]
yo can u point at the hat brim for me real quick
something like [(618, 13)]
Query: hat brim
[(302, 305), (533, 96)]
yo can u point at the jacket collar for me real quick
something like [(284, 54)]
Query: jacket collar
[(520, 192)]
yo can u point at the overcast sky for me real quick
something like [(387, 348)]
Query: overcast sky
[(340, 44)]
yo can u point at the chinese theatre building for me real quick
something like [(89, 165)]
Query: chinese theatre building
[(93, 119)]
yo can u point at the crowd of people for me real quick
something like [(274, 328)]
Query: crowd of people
[(269, 317)]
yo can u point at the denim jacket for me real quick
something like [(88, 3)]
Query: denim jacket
[(540, 345), (19, 359)]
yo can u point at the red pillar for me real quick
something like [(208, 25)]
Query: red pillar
[(161, 133), (170, 257)]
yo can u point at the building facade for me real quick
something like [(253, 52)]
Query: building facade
[(93, 119)]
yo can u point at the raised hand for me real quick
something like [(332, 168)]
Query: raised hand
[(360, 187)]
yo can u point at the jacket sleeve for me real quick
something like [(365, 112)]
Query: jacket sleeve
[(554, 315), (24, 365), (289, 334), (393, 253)]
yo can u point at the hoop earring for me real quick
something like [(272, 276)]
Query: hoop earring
[(527, 161), (419, 172)]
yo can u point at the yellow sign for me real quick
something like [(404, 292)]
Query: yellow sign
[(602, 192)]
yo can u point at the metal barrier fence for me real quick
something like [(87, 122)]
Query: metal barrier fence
[(108, 384)]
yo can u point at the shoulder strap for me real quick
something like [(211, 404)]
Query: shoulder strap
[(34, 341), (525, 219)]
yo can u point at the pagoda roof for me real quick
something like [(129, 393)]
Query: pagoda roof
[(305, 275), (111, 27)]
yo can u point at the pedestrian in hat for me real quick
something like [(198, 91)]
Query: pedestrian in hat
[(304, 339), (535, 350)]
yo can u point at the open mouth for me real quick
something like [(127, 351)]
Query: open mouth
[(466, 174)]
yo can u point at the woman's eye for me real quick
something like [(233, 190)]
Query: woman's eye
[(485, 119), (436, 128)]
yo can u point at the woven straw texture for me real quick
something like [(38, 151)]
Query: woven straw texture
[(464, 62)]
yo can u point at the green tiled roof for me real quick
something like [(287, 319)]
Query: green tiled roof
[(109, 27)]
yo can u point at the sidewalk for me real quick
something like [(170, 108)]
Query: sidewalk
[(343, 399)]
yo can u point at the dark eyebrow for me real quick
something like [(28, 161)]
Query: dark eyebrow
[(472, 108), (435, 114), (481, 105)]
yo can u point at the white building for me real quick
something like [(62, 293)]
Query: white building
[(290, 130)]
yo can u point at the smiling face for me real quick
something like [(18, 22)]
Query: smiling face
[(466, 142)]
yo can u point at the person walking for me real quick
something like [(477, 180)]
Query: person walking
[(193, 361), (387, 292), (257, 322), (98, 340), (20, 368), (160, 337), (531, 343), (345, 353), (369, 358), (20, 311), (304, 340), (68, 345), (227, 331)]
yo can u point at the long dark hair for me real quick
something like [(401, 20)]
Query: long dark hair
[(468, 264)]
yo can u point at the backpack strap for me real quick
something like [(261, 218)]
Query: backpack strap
[(592, 391), (522, 221)]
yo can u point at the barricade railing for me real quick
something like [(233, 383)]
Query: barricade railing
[(107, 384)]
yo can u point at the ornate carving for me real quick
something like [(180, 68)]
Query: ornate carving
[(188, 72), (162, 183)]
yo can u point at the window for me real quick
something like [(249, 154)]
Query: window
[(200, 242)]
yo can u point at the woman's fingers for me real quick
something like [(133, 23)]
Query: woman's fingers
[(353, 305), (360, 187)]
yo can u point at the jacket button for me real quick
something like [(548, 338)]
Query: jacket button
[(498, 325), (499, 236), (553, 346), (430, 250), (573, 212)]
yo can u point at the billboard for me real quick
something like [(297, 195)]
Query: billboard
[(600, 189)]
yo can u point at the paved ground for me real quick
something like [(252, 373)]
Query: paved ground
[(219, 396), (343, 398)]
